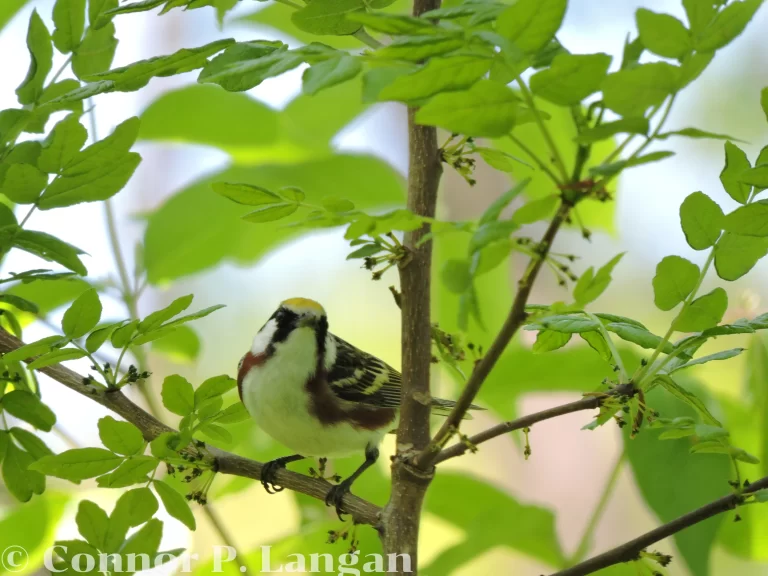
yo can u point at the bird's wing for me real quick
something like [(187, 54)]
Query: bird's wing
[(356, 376)]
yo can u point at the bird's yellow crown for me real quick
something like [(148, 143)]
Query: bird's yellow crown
[(303, 305)]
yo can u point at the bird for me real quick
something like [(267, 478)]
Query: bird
[(317, 394)]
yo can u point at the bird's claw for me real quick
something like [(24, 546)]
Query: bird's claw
[(268, 476), (335, 497)]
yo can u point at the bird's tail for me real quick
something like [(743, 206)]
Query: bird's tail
[(443, 407)]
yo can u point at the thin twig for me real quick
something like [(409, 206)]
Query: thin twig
[(515, 319), (460, 448), (533, 156), (631, 550), (362, 511)]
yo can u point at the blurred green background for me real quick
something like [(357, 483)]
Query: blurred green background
[(488, 513)]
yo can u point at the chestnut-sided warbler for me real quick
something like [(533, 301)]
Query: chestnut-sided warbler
[(317, 394)]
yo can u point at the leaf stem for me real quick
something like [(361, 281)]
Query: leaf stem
[(60, 71), (556, 157), (367, 39), (539, 162), (586, 539), (291, 4), (31, 210)]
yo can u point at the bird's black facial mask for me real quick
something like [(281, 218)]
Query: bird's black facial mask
[(286, 322)]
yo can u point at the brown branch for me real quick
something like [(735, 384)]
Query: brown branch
[(401, 516), (631, 550), (460, 448), (514, 321), (362, 511)]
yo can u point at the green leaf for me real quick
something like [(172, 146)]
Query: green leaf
[(531, 24), (134, 507), (213, 387), (534, 535), (757, 177), (616, 167), (702, 220), (330, 72), (96, 52), (727, 25), (133, 471), (735, 255), (674, 482), (486, 109), (457, 276), (178, 395), (77, 95), (175, 247), (242, 67), (637, 335), (233, 414), (704, 312), (69, 18), (23, 183), (122, 335), (152, 335), (226, 125), (590, 285), (700, 13), (21, 303), (41, 346), (146, 540), (329, 17), (195, 315), (62, 145), (764, 101), (598, 343), (217, 433), (28, 407), (634, 125), (181, 346), (92, 523), (724, 355), (632, 91), (271, 213), (675, 278), (438, 75), (499, 160), (547, 340), (569, 324), (392, 24), (175, 504), (535, 210), (694, 133), (156, 319), (78, 464), (137, 75), (736, 162), (571, 78), (20, 480), (98, 172), (246, 194), (120, 437), (30, 442), (97, 338), (41, 55), (83, 315), (419, 48), (749, 220), (663, 34), (47, 247)]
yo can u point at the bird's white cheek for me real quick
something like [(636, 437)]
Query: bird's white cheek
[(264, 337)]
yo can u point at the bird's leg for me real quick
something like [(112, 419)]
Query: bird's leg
[(270, 469), (336, 493)]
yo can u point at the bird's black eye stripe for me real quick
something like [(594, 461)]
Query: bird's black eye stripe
[(286, 322)]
